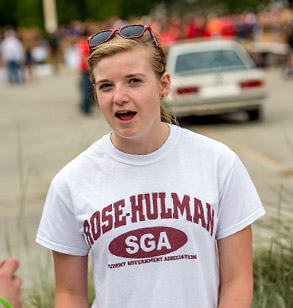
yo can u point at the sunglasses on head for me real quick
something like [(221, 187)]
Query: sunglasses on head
[(127, 32)]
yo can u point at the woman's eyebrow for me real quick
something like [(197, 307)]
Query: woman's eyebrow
[(135, 75), (102, 81), (126, 76)]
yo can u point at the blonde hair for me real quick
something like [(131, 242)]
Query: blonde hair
[(118, 44)]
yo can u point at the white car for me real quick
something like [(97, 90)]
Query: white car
[(214, 77)]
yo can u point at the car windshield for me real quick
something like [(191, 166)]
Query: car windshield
[(215, 60)]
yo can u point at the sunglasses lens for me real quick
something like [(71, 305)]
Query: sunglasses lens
[(132, 31), (100, 38)]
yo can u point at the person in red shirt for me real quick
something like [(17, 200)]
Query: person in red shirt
[(228, 29), (189, 26), (85, 85), (170, 33), (201, 28)]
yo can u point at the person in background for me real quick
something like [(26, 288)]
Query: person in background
[(13, 55), (54, 44), (29, 64), (166, 212), (170, 32), (10, 284), (288, 71), (85, 84)]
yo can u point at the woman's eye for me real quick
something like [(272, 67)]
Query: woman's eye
[(105, 86), (134, 81)]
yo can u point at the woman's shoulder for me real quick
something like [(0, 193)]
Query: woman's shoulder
[(202, 143), (83, 163), (207, 153)]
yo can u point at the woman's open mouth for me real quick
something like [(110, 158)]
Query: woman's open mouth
[(125, 116)]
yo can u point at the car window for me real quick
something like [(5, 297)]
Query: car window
[(197, 62)]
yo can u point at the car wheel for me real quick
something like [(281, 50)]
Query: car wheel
[(254, 115)]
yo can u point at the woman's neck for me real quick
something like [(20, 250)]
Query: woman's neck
[(141, 145)]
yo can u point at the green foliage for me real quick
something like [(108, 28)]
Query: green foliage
[(101, 10), (30, 12), (209, 6), (273, 278), (238, 6), (7, 13), (68, 10), (19, 13), (273, 263)]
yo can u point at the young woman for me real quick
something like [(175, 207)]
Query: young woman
[(165, 212)]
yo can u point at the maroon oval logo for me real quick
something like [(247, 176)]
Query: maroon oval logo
[(147, 242)]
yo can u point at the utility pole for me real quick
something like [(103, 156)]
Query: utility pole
[(50, 15)]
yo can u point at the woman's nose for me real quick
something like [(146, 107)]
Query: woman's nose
[(120, 95)]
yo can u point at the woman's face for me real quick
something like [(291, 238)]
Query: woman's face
[(128, 93)]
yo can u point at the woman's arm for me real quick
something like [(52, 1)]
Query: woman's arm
[(236, 270), (71, 281)]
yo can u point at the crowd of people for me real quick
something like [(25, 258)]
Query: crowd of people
[(267, 32), (21, 50)]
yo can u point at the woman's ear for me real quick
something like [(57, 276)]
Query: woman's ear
[(165, 84)]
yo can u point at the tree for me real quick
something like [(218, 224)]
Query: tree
[(30, 12), (21, 13)]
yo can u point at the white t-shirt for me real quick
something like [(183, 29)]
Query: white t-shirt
[(12, 49), (150, 220)]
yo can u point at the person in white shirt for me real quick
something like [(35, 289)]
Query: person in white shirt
[(166, 212), (13, 55)]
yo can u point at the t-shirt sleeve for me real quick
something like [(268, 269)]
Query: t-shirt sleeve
[(239, 203), (58, 228)]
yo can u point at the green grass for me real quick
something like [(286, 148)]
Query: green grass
[(41, 294), (273, 262), (40, 290), (273, 282)]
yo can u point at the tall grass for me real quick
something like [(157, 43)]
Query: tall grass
[(41, 292), (273, 262), (23, 187)]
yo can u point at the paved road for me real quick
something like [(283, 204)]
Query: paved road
[(42, 129)]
